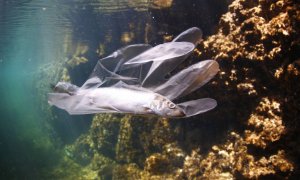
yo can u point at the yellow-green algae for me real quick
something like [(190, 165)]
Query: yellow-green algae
[(109, 6)]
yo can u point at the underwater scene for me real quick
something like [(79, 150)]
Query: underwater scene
[(149, 89)]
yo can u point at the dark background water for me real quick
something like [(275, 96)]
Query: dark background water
[(37, 36)]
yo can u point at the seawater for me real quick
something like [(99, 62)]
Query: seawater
[(36, 37)]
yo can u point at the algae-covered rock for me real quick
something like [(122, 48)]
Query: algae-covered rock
[(103, 165), (255, 30), (104, 133), (268, 124), (81, 151), (157, 164), (168, 162), (175, 154), (128, 171), (233, 158), (68, 169), (108, 6)]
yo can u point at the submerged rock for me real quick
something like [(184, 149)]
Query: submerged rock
[(122, 5), (81, 151), (255, 30), (233, 159), (104, 133)]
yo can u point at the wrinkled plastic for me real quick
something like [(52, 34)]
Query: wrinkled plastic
[(132, 80), (188, 80), (198, 106)]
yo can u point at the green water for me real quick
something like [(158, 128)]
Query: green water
[(28, 40), (35, 38)]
